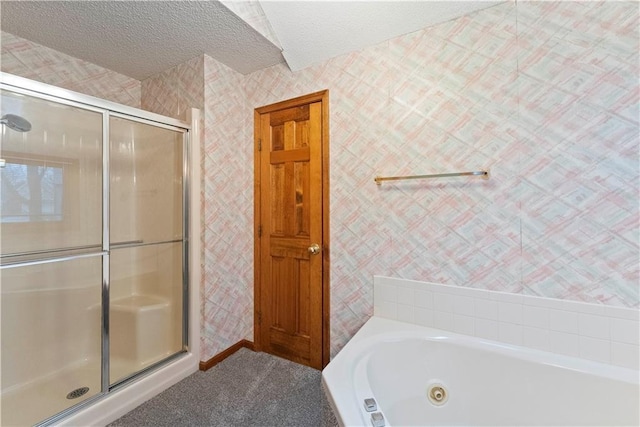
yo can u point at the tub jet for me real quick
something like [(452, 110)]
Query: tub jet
[(437, 394)]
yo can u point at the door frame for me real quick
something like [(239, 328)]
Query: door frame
[(323, 97)]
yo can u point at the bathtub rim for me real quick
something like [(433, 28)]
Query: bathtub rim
[(341, 392)]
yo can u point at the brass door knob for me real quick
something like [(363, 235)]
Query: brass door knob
[(314, 249)]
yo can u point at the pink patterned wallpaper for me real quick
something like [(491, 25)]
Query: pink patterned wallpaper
[(27, 59), (228, 210), (175, 90), (544, 94), (578, 178)]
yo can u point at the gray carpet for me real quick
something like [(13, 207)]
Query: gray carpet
[(246, 389)]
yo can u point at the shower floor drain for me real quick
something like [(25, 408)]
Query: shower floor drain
[(78, 392)]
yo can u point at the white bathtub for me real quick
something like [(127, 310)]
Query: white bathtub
[(486, 383)]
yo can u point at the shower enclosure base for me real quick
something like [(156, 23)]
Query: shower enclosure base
[(119, 402), (33, 402), (36, 400), (120, 368)]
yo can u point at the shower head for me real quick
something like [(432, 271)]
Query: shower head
[(17, 123)]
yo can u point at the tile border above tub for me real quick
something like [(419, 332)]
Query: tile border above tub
[(590, 331)]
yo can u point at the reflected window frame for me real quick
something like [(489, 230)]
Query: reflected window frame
[(68, 204)]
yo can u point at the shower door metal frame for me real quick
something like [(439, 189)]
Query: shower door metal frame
[(110, 109), (106, 247), (185, 247)]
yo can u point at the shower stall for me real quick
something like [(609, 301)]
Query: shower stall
[(94, 255)]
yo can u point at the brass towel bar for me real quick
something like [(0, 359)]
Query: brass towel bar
[(482, 174)]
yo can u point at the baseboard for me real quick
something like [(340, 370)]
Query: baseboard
[(208, 364)]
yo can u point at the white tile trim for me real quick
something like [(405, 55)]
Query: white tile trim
[(596, 332)]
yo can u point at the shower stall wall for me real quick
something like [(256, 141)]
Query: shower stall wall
[(94, 250)]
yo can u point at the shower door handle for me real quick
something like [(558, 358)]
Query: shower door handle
[(127, 243)]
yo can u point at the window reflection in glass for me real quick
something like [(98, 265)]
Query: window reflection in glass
[(31, 191)]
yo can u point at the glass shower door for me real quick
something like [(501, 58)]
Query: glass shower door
[(51, 256), (147, 247), (93, 254)]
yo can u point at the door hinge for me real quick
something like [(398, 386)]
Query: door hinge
[(259, 144), (260, 231)]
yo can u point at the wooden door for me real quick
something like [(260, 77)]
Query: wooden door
[(291, 298)]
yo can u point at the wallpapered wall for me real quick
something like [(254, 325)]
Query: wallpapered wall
[(175, 90), (228, 210), (544, 94), (227, 180), (24, 58)]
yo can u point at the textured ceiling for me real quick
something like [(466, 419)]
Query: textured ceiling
[(313, 31), (141, 38)]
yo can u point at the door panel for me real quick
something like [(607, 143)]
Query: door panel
[(146, 232), (51, 182), (291, 287), (146, 182), (50, 337), (301, 212), (50, 299), (146, 300)]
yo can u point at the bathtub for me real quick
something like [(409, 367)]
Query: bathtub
[(428, 377)]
